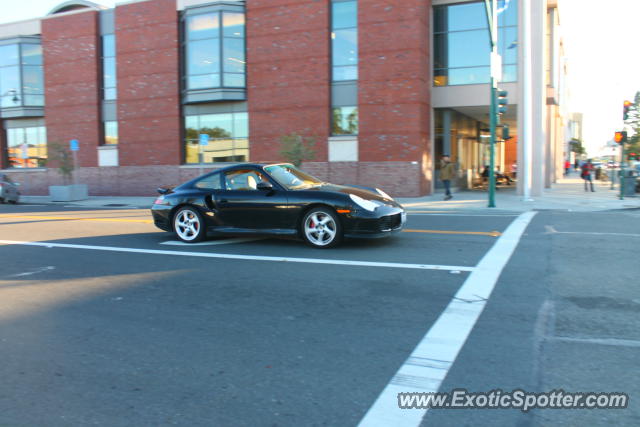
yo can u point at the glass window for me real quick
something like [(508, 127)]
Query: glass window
[(21, 77), (203, 26), (9, 55), (109, 76), (243, 180), (31, 54), (461, 43), (215, 54), (211, 182), (228, 138), (27, 147), (344, 40), (345, 121), (111, 132)]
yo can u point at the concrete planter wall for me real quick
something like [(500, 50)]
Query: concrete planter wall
[(68, 193)]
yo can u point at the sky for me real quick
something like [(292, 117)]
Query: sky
[(599, 45)]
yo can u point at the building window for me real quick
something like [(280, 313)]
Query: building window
[(27, 147), (215, 50), (109, 82), (461, 43), (111, 132), (21, 77), (228, 138), (344, 40), (345, 121)]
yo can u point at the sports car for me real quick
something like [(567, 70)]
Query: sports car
[(275, 199)]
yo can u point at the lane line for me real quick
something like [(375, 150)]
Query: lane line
[(64, 218), (479, 233), (551, 230), (244, 257), (430, 361), (213, 242)]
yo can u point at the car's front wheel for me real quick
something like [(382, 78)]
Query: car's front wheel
[(188, 225), (321, 228)]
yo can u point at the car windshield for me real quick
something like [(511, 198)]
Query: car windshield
[(292, 178)]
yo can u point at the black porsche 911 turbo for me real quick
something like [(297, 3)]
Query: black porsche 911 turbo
[(276, 199)]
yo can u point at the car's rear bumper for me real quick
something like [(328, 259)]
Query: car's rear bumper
[(161, 215)]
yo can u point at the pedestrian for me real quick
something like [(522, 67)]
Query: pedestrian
[(567, 166), (514, 170), (446, 175), (587, 170)]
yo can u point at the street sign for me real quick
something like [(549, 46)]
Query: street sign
[(204, 139), (74, 145), (496, 66)]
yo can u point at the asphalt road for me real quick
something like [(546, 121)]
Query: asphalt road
[(111, 322)]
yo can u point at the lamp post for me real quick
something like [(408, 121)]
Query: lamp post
[(496, 68)]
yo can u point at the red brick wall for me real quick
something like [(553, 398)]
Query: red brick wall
[(148, 83), (71, 79), (287, 74), (394, 86)]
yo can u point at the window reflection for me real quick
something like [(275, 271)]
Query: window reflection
[(228, 138), (111, 132), (344, 40), (345, 121), (461, 44), (21, 77), (215, 54), (109, 81), (27, 147)]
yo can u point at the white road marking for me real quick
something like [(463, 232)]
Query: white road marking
[(598, 341), (243, 257), (36, 271), (463, 215), (213, 242), (551, 230), (430, 361)]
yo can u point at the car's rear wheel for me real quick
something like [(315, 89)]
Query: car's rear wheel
[(321, 228), (189, 226)]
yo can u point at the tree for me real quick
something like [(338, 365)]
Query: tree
[(297, 148), (64, 159), (576, 146), (633, 142)]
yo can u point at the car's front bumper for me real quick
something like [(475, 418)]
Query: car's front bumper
[(382, 222)]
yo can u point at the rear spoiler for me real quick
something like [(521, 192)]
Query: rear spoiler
[(163, 190)]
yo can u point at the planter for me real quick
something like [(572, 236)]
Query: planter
[(68, 193)]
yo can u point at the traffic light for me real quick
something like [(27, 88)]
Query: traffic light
[(632, 156), (625, 110), (505, 132), (502, 101), (620, 137)]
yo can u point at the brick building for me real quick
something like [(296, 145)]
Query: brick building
[(383, 87)]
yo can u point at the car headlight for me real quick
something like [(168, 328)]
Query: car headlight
[(364, 204), (383, 194)]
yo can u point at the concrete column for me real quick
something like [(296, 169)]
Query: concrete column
[(538, 97)]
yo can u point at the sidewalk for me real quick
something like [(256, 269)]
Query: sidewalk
[(568, 194)]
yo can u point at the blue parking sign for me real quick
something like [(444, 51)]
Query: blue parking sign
[(74, 145), (204, 139)]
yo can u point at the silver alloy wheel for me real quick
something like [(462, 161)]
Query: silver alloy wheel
[(320, 228), (187, 225)]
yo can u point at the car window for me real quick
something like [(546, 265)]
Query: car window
[(211, 182), (292, 178), (243, 179)]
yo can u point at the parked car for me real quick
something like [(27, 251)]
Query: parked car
[(275, 199), (8, 190)]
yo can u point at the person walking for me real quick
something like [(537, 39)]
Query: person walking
[(446, 175), (567, 166), (587, 171)]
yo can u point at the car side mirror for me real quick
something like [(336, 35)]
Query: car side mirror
[(264, 186)]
